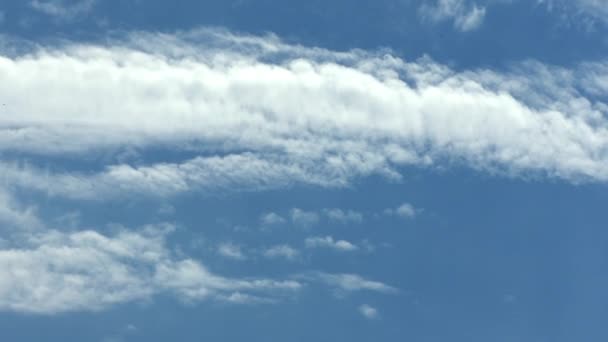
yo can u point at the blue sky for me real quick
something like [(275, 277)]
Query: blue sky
[(385, 170)]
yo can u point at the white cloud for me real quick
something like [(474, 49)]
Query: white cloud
[(281, 251), (405, 210), (14, 216), (63, 9), (304, 218), (465, 16), (368, 311), (231, 251), (243, 298), (55, 272), (329, 242), (271, 219), (591, 11), (343, 216), (311, 116), (350, 282)]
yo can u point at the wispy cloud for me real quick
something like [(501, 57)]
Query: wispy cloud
[(587, 13), (343, 216), (281, 251), (231, 251), (304, 218), (63, 9), (329, 242), (349, 282), (86, 271), (466, 16)]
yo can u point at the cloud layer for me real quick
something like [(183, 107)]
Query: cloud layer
[(52, 271), (251, 113)]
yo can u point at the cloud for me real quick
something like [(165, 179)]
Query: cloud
[(590, 11), (166, 210), (405, 210), (231, 251), (272, 219), (252, 113), (48, 271), (342, 216), (368, 311), (281, 251), (349, 282), (63, 9), (304, 218), (328, 242), (14, 216), (465, 16)]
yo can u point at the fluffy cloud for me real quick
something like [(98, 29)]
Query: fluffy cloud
[(253, 113), (329, 242), (53, 271), (465, 16)]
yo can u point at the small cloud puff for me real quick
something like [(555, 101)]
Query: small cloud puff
[(405, 210), (368, 311)]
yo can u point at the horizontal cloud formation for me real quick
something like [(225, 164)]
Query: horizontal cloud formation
[(52, 271), (256, 113), (250, 113)]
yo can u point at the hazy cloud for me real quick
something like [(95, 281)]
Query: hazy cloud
[(368, 311), (466, 16), (329, 242)]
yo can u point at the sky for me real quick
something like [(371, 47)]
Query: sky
[(258, 170)]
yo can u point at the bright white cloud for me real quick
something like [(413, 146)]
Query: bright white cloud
[(368, 311), (329, 242), (257, 114), (466, 16), (282, 251)]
